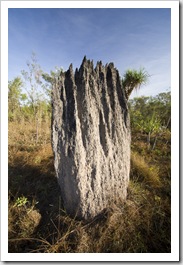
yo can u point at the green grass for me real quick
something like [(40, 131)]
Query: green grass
[(38, 222)]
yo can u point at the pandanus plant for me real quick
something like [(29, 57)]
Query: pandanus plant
[(134, 79)]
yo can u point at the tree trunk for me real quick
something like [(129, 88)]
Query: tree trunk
[(149, 140)]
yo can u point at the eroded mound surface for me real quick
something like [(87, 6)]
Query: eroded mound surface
[(90, 138)]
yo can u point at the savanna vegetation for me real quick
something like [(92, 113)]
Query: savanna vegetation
[(37, 219)]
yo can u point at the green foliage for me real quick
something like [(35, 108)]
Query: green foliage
[(21, 201), (151, 110), (37, 107), (146, 124), (49, 79), (14, 91), (29, 97), (134, 79), (151, 115), (15, 98)]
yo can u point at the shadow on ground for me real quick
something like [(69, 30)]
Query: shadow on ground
[(39, 185)]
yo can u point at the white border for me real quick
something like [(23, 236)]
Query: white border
[(175, 130), (174, 255), (89, 4)]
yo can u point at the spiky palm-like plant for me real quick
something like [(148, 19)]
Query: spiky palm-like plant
[(134, 79)]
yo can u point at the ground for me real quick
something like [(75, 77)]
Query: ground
[(39, 223)]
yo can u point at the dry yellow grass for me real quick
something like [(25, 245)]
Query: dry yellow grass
[(38, 222), (143, 171)]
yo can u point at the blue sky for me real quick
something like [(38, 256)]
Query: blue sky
[(129, 37)]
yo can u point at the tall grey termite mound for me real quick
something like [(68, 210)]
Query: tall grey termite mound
[(90, 138)]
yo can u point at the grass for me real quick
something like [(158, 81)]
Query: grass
[(38, 222)]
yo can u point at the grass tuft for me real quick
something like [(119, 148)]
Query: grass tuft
[(144, 172)]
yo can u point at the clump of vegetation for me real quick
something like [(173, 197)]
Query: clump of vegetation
[(143, 172), (37, 219), (151, 116), (134, 79)]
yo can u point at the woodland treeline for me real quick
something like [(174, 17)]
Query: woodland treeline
[(29, 100)]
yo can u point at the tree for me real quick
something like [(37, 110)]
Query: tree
[(134, 79), (50, 79), (151, 115), (35, 92), (15, 98), (33, 82), (164, 107)]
